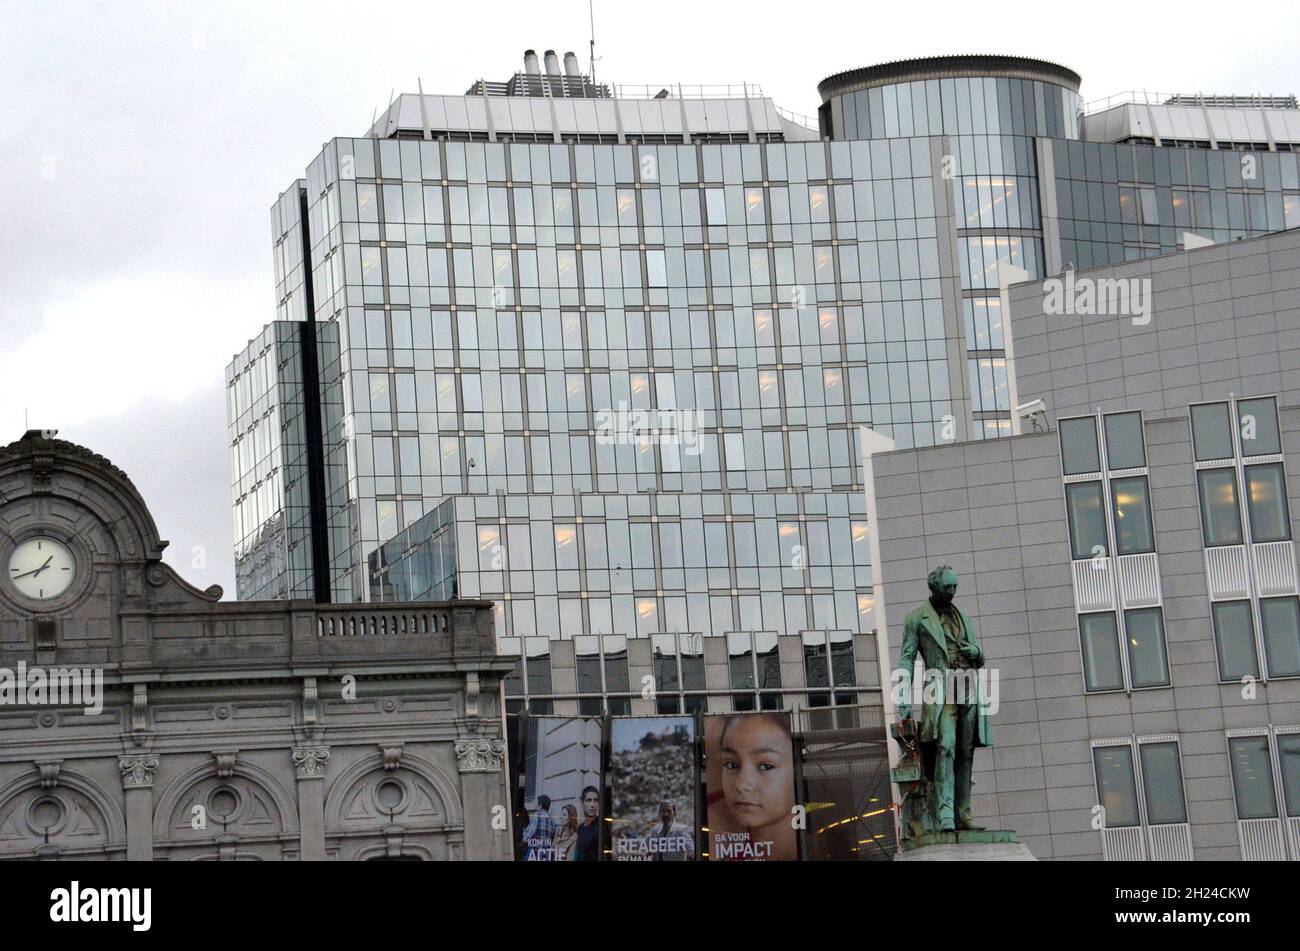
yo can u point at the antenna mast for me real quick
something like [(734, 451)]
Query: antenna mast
[(591, 14)]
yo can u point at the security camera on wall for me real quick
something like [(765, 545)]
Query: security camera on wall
[(1035, 411)]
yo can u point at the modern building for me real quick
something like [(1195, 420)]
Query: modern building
[(602, 356), (1129, 559), (143, 719), (550, 300)]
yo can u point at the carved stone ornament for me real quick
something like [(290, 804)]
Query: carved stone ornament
[(392, 756), (139, 708), (137, 770), (41, 444), (309, 761), (225, 762), (49, 770), (310, 697), (472, 688), (480, 756)]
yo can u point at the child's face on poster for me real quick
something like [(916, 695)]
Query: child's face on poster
[(757, 771)]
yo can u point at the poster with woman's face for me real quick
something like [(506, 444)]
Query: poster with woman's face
[(750, 782)]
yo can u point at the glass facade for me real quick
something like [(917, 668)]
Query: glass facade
[(655, 357), (962, 105), (985, 126), (616, 388), (418, 563), (272, 504), (1120, 202)]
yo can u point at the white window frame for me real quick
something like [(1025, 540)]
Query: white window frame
[(1144, 842)]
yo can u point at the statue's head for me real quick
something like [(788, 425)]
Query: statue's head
[(943, 584)]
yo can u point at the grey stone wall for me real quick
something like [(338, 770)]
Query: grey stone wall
[(995, 511), (1225, 320)]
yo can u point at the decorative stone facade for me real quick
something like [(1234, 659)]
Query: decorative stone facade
[(263, 731)]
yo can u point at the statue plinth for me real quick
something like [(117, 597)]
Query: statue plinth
[(987, 845)]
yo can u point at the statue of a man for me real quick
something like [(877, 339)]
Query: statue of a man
[(953, 720)]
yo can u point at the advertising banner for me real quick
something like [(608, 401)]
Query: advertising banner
[(653, 787), (750, 783), (562, 790)]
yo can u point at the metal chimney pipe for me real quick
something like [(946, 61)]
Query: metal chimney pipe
[(531, 66), (571, 65), (552, 63)]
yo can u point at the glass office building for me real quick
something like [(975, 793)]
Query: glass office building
[(601, 355)]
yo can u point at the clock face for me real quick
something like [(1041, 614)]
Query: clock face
[(41, 568)]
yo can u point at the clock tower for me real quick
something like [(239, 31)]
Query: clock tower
[(143, 718), (77, 545)]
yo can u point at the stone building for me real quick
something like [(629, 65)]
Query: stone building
[(142, 718)]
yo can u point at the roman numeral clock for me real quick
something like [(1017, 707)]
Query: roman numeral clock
[(41, 568)]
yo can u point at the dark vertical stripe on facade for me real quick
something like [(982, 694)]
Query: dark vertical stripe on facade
[(320, 561)]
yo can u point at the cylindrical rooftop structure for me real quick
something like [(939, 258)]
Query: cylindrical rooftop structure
[(951, 95)]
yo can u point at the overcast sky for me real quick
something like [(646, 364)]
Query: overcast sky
[(141, 145)]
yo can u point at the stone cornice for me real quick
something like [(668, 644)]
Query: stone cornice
[(34, 444)]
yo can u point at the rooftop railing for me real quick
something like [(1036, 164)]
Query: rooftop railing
[(688, 91), (798, 118), (1146, 97), (541, 85)]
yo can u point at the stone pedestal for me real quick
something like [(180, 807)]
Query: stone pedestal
[(990, 845)]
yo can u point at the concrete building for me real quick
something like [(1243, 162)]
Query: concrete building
[(141, 718), (1130, 566)]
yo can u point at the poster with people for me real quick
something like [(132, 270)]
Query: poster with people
[(653, 787), (750, 783), (562, 790)]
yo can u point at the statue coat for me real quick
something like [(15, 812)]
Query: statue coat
[(923, 634)]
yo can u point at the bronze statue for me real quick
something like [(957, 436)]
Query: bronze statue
[(936, 769)]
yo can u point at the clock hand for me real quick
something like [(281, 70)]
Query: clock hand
[(35, 571)]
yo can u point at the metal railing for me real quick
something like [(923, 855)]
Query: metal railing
[(689, 91), (541, 85), (1146, 97), (798, 118)]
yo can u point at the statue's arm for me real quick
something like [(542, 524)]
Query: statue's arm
[(907, 660), (907, 655), (977, 659)]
